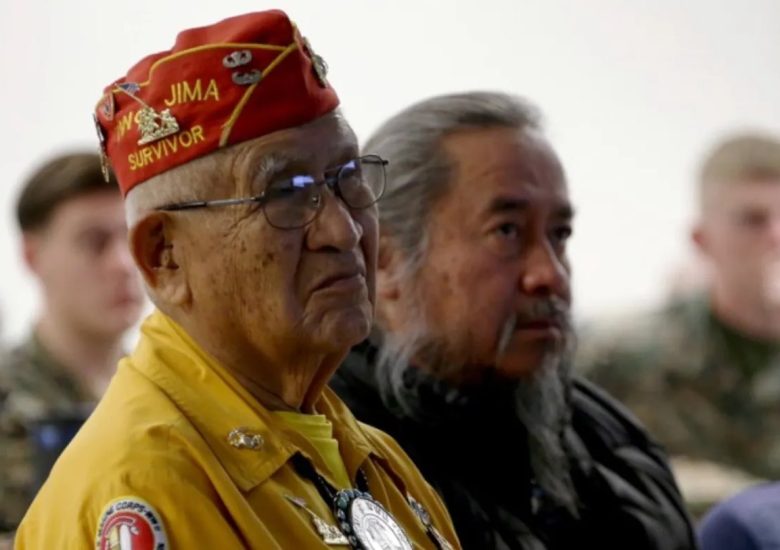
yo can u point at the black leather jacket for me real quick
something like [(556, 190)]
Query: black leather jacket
[(628, 498)]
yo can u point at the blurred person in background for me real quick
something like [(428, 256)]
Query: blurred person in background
[(74, 241), (703, 373), (469, 365), (747, 521)]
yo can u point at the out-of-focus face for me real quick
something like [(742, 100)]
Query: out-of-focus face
[(494, 285), (264, 292), (739, 233), (83, 263)]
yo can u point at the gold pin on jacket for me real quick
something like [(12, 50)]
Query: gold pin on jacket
[(243, 438), (330, 534), (426, 520)]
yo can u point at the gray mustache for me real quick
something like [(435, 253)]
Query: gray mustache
[(552, 309)]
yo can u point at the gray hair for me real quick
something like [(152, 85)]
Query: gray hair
[(419, 171), (185, 182)]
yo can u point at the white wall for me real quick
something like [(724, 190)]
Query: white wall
[(634, 92)]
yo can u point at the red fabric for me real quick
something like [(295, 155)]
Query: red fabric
[(201, 94)]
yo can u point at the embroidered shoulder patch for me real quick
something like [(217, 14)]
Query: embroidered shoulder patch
[(130, 523)]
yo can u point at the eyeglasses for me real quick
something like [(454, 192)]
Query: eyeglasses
[(295, 202)]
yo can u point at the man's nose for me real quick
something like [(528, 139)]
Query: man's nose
[(118, 256), (545, 273), (335, 227), (774, 230)]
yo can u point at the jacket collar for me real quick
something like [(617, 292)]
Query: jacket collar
[(216, 404)]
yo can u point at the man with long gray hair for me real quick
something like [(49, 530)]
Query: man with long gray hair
[(468, 366)]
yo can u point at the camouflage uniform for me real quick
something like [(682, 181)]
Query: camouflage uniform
[(702, 389), (33, 388)]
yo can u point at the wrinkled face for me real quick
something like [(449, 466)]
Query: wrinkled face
[(740, 234), (84, 265), (495, 281), (269, 292)]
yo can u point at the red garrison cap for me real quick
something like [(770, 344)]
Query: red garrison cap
[(236, 80)]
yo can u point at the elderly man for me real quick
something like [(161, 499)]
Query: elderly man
[(252, 221), (74, 240), (469, 367)]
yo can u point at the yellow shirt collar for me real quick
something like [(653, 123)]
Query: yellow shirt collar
[(215, 403)]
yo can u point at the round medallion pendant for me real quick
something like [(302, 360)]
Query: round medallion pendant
[(367, 524)]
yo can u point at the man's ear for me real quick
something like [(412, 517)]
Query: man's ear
[(699, 238), (389, 265), (31, 243), (158, 255)]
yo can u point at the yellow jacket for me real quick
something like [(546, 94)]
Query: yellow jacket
[(158, 440)]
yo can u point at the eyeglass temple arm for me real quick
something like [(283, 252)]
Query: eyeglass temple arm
[(205, 204), (183, 206), (377, 160)]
